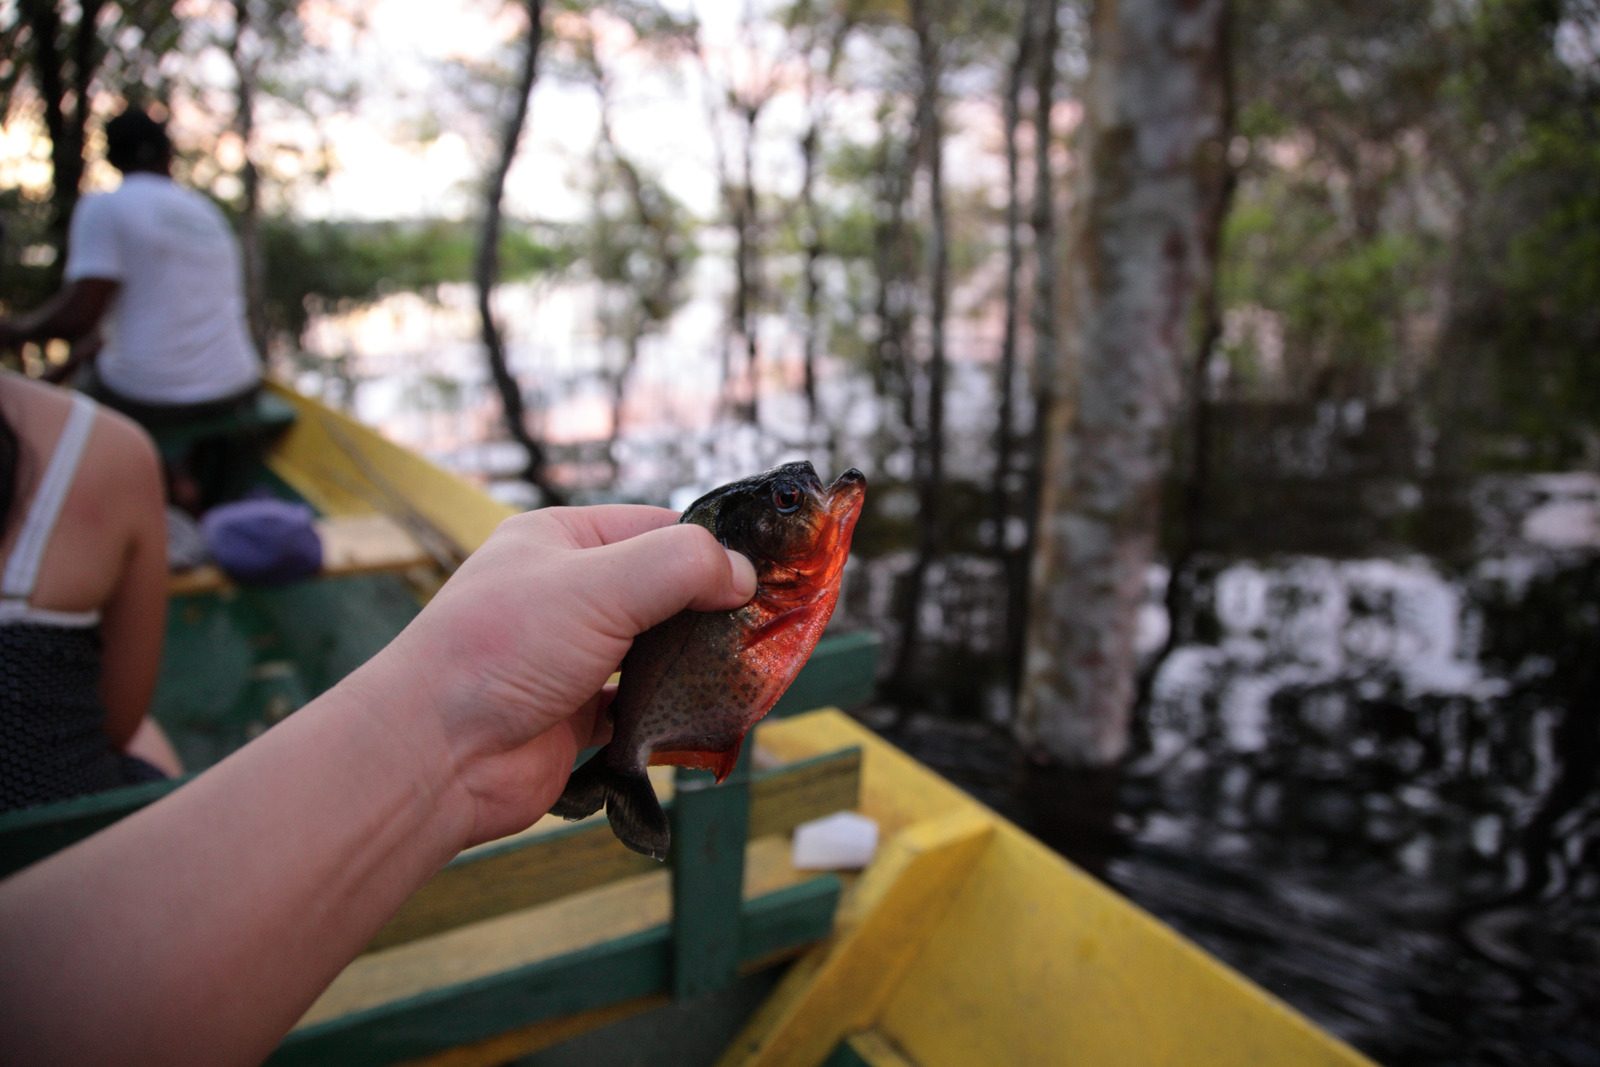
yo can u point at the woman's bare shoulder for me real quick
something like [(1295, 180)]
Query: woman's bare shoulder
[(30, 404), (120, 456), (124, 452)]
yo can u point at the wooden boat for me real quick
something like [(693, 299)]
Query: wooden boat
[(964, 941)]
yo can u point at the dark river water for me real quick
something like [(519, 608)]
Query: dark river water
[(1369, 783), (1366, 777)]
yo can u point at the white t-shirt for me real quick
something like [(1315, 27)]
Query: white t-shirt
[(175, 332)]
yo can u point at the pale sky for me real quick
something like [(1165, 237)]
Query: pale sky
[(384, 172), (401, 54)]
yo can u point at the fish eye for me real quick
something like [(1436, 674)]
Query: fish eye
[(786, 498)]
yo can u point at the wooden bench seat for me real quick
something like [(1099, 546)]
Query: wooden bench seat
[(513, 937), (351, 544)]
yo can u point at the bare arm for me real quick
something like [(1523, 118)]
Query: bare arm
[(74, 312), (203, 926), (133, 620)]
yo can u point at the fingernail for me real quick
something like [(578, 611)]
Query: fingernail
[(744, 574)]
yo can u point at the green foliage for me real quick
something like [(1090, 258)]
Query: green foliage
[(1418, 213), (323, 266), (1532, 325), (28, 256), (1341, 299), (1528, 283)]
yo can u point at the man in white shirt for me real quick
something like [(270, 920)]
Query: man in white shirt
[(155, 269)]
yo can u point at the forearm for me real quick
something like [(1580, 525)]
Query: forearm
[(201, 928), (137, 945), (51, 319), (72, 313)]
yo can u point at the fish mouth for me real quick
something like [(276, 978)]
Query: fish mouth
[(843, 500), (846, 494)]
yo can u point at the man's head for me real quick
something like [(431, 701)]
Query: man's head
[(137, 142)]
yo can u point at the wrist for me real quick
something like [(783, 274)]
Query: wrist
[(407, 748)]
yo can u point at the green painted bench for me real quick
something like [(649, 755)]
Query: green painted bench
[(511, 940), (222, 454), (266, 417), (520, 938)]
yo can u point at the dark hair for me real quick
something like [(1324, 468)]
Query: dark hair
[(135, 141)]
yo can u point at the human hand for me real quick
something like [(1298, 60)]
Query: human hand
[(503, 673)]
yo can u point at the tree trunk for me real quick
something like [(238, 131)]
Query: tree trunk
[(1179, 597), (1004, 504), (725, 189), (486, 265), (651, 302), (1152, 178), (811, 240), (246, 69), (1045, 26), (928, 453), (632, 335), (64, 89), (894, 275), (748, 264)]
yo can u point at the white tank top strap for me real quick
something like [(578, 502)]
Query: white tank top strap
[(22, 569)]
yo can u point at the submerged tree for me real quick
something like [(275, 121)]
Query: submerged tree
[(928, 423), (1039, 39), (1151, 188), (261, 31), (823, 31), (486, 264), (639, 243)]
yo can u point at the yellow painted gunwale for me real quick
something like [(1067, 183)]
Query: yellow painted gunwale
[(969, 942), (342, 467)]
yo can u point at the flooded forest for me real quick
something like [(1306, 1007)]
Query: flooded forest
[(1226, 376)]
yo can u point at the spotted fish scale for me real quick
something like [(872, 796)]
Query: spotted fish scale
[(693, 686)]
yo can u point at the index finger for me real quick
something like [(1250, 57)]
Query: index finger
[(606, 524)]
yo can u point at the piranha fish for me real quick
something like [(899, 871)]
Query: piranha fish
[(693, 686)]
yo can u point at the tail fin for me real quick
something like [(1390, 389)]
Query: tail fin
[(585, 791), (636, 815), (631, 805)]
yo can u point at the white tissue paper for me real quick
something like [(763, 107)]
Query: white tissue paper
[(843, 841)]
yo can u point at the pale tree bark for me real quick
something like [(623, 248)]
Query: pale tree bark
[(1195, 424), (1151, 190), (486, 264)]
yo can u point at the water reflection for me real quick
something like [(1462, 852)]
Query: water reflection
[(1370, 785)]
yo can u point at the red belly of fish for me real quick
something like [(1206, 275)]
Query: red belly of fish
[(727, 673)]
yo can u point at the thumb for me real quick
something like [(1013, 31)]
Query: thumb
[(652, 577)]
